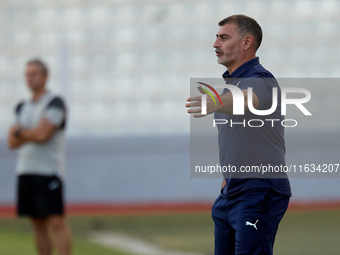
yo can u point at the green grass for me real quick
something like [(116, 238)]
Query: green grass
[(16, 239), (188, 232), (311, 233), (17, 243)]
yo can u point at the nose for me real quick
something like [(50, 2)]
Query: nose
[(217, 44)]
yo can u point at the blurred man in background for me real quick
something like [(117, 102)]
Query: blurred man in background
[(251, 205), (39, 136)]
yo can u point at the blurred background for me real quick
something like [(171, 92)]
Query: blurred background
[(124, 68)]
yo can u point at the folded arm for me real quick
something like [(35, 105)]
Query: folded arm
[(41, 134)]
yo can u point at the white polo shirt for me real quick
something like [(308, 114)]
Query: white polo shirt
[(42, 158)]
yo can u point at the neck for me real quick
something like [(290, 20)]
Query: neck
[(38, 94), (231, 68)]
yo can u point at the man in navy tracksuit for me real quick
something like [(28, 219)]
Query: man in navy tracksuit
[(251, 205)]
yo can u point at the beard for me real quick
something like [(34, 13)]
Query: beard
[(229, 58)]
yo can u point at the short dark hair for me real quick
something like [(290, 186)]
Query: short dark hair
[(38, 62), (246, 26)]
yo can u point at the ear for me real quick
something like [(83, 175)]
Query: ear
[(247, 42)]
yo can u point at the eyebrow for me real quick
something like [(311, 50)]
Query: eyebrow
[(222, 35)]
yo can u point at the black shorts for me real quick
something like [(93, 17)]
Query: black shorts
[(40, 196)]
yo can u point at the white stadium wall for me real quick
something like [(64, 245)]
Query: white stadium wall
[(125, 68)]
